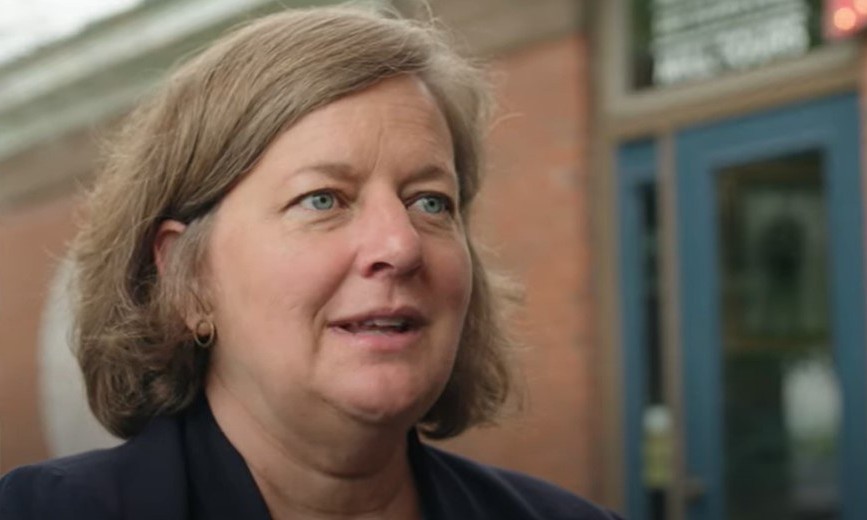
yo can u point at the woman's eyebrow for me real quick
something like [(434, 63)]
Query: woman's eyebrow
[(336, 170), (433, 172), (345, 172)]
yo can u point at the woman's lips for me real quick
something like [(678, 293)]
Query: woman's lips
[(380, 325), (399, 319), (380, 339), (383, 329)]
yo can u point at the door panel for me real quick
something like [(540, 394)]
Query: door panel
[(772, 296)]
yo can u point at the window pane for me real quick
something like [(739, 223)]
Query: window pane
[(782, 404), (656, 420), (674, 41)]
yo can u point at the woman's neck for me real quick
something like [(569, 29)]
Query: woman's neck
[(319, 473)]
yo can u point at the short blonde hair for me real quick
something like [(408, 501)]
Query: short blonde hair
[(181, 151)]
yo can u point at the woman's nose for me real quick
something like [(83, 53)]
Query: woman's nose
[(389, 243)]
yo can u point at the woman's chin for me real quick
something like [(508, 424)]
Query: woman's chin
[(385, 402)]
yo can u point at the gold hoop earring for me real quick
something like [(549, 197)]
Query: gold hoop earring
[(205, 333)]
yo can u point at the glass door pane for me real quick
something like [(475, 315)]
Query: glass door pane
[(781, 409), (655, 419)]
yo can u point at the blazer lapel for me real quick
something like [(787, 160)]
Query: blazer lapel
[(152, 471)]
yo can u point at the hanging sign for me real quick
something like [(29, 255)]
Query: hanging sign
[(699, 39)]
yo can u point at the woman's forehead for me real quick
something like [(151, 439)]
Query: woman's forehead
[(396, 121), (403, 101)]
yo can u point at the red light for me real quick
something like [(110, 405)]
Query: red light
[(844, 19)]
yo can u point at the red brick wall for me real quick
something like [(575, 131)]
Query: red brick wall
[(534, 213), (32, 240)]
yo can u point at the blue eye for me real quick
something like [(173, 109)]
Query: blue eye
[(433, 204), (320, 201)]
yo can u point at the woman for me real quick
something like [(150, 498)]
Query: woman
[(278, 293)]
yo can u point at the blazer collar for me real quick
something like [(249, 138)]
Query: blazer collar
[(221, 485), (150, 465)]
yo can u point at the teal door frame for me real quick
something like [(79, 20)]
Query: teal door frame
[(831, 125), (636, 167)]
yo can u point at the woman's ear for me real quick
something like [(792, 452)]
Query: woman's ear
[(167, 234)]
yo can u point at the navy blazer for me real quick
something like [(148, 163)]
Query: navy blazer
[(183, 467)]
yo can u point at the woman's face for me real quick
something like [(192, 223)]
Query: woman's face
[(339, 267)]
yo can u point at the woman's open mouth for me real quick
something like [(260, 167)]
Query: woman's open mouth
[(387, 330), (380, 326)]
